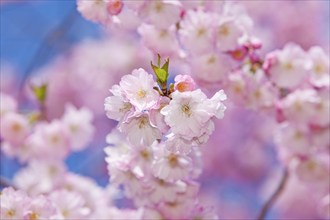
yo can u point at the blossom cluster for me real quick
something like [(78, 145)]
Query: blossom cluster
[(145, 115), (48, 191), (277, 101), (165, 127), (30, 137), (289, 85), (303, 115), (207, 35)]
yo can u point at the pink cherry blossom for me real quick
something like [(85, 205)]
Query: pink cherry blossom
[(117, 107), (165, 191), (324, 207), (184, 83), (160, 40), (14, 128), (7, 104), (210, 67), (154, 12), (189, 111), (176, 144), (292, 141), (139, 130), (196, 32), (40, 177), (288, 67), (227, 34), (314, 170), (14, 204), (94, 10), (93, 195), (114, 7), (138, 88), (69, 205), (49, 140), (40, 208), (78, 124), (320, 72), (299, 106), (156, 118), (171, 166)]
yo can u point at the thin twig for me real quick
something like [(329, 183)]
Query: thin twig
[(269, 203), (50, 39)]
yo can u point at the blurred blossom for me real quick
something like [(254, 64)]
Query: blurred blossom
[(236, 91)]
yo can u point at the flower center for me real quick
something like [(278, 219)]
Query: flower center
[(211, 60), (99, 2), (142, 93), (182, 87), (162, 33), (311, 166), (238, 88), (143, 122), (126, 106), (65, 213), (145, 154), (288, 66), (74, 128), (319, 69), (55, 139), (201, 32), (158, 7), (16, 127), (186, 109), (11, 213), (33, 216), (257, 94), (173, 160), (298, 135), (224, 30), (117, 5)]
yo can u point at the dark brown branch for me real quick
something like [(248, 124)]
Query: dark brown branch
[(269, 203)]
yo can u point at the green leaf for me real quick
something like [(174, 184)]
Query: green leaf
[(40, 92), (158, 60), (161, 74), (165, 66)]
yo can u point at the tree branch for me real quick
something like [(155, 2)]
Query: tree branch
[(269, 203), (51, 39)]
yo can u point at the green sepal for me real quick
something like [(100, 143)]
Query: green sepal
[(160, 73), (40, 92), (171, 88), (34, 117), (165, 66)]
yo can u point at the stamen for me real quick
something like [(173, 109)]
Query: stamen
[(143, 122), (224, 30), (173, 160), (142, 93), (186, 110)]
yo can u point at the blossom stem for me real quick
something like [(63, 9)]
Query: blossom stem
[(43, 111), (269, 203), (4, 182)]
